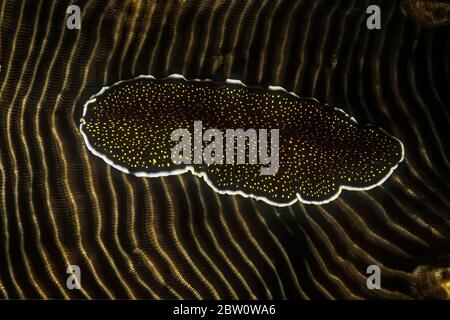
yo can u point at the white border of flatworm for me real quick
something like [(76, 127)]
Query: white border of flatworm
[(203, 174)]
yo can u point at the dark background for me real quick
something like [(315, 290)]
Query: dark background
[(174, 237)]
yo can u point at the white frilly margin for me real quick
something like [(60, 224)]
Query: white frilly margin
[(203, 174)]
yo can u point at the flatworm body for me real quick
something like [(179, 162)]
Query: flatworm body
[(321, 149)]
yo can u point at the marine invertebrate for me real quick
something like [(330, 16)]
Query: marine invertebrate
[(322, 150)]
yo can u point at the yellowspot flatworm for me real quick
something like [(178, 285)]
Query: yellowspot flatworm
[(322, 150)]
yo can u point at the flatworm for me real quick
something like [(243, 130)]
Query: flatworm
[(322, 150)]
